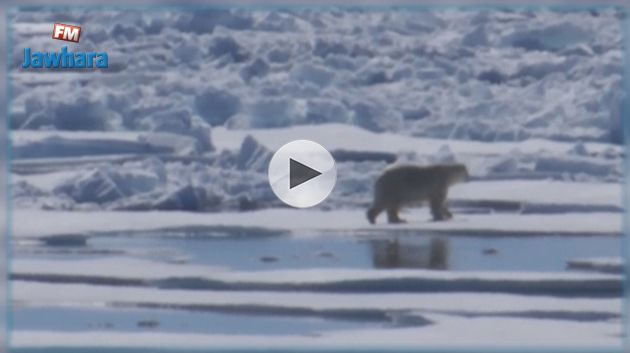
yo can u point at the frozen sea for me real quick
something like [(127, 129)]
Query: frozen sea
[(143, 218)]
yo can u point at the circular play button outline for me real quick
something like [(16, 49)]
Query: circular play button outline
[(302, 173)]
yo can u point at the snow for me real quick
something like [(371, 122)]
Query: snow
[(177, 138), (549, 192), (500, 333), (42, 144), (41, 294), (141, 269), (464, 67), (216, 106), (328, 135), (563, 177), (115, 270), (304, 222)]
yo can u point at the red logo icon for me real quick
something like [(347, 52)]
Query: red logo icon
[(68, 33)]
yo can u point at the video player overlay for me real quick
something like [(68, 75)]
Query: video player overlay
[(410, 178)]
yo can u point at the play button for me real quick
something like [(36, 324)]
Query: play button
[(302, 173)]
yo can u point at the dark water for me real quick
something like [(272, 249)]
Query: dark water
[(527, 253), (68, 319), (268, 251)]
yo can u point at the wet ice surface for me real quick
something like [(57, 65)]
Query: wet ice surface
[(143, 320), (189, 302), (271, 251), (259, 253)]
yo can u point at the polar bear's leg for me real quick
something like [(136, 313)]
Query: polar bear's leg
[(438, 206), (373, 212), (392, 214), (445, 212)]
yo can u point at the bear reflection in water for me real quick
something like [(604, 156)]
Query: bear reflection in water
[(410, 253)]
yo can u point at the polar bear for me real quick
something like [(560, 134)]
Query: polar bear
[(405, 184)]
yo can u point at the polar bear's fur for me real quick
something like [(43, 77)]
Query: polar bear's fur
[(407, 184)]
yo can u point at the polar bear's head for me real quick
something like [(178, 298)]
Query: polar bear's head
[(457, 173)]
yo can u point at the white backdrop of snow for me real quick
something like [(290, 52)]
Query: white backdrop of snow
[(467, 76), (478, 75)]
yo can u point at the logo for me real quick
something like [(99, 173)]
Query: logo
[(65, 59), (68, 33)]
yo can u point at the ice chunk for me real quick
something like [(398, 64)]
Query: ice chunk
[(216, 106), (128, 32), (477, 37), (274, 112), (375, 116), (228, 47), (576, 165), (23, 189), (180, 121), (321, 110), (416, 114), (279, 55), (325, 47), (83, 113), (444, 155), (108, 183), (278, 22), (492, 76), (550, 37), (188, 198), (188, 53), (253, 156), (204, 21), (372, 75), (257, 68), (315, 74)]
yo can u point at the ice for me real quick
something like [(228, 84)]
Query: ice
[(125, 32), (549, 38), (605, 265), (590, 169), (317, 75), (278, 22), (107, 184), (187, 198), (541, 192), (577, 165), (181, 122), (463, 67), (178, 142), (272, 112), (595, 176), (374, 115), (305, 222), (320, 110), (279, 55), (361, 140), (257, 68), (470, 332), (216, 105), (253, 156), (205, 21), (227, 47), (54, 144), (317, 280), (398, 309), (81, 114)]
